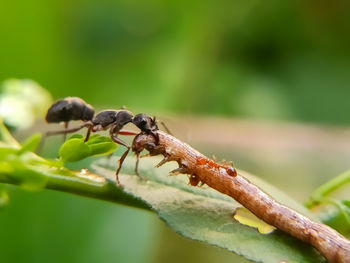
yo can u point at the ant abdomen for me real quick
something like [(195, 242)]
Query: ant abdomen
[(69, 109)]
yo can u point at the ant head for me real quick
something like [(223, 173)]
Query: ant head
[(145, 123)]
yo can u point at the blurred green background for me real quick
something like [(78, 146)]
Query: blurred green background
[(273, 59), (266, 60)]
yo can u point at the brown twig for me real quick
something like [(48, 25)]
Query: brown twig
[(225, 179)]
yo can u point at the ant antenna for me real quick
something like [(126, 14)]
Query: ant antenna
[(166, 128)]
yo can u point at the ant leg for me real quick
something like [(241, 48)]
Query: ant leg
[(166, 128), (65, 125), (122, 132), (156, 136), (121, 160), (137, 164), (88, 131), (119, 141), (127, 132), (49, 133)]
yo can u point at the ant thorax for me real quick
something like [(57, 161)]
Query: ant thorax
[(108, 118)]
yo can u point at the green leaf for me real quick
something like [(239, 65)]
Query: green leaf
[(95, 138), (204, 214), (331, 211), (31, 144), (6, 137), (54, 163), (344, 207), (336, 214), (22, 171), (4, 196), (7, 151), (346, 203), (328, 188), (75, 149), (103, 148), (76, 136)]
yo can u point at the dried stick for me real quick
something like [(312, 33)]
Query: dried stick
[(225, 179)]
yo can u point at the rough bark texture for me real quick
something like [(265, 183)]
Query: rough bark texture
[(225, 179)]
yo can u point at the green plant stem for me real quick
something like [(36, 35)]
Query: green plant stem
[(15, 163), (106, 190), (326, 189), (339, 206)]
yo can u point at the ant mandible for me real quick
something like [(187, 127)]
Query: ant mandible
[(73, 108)]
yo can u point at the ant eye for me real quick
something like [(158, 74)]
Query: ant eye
[(143, 122)]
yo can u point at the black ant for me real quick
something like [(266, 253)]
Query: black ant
[(112, 120)]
